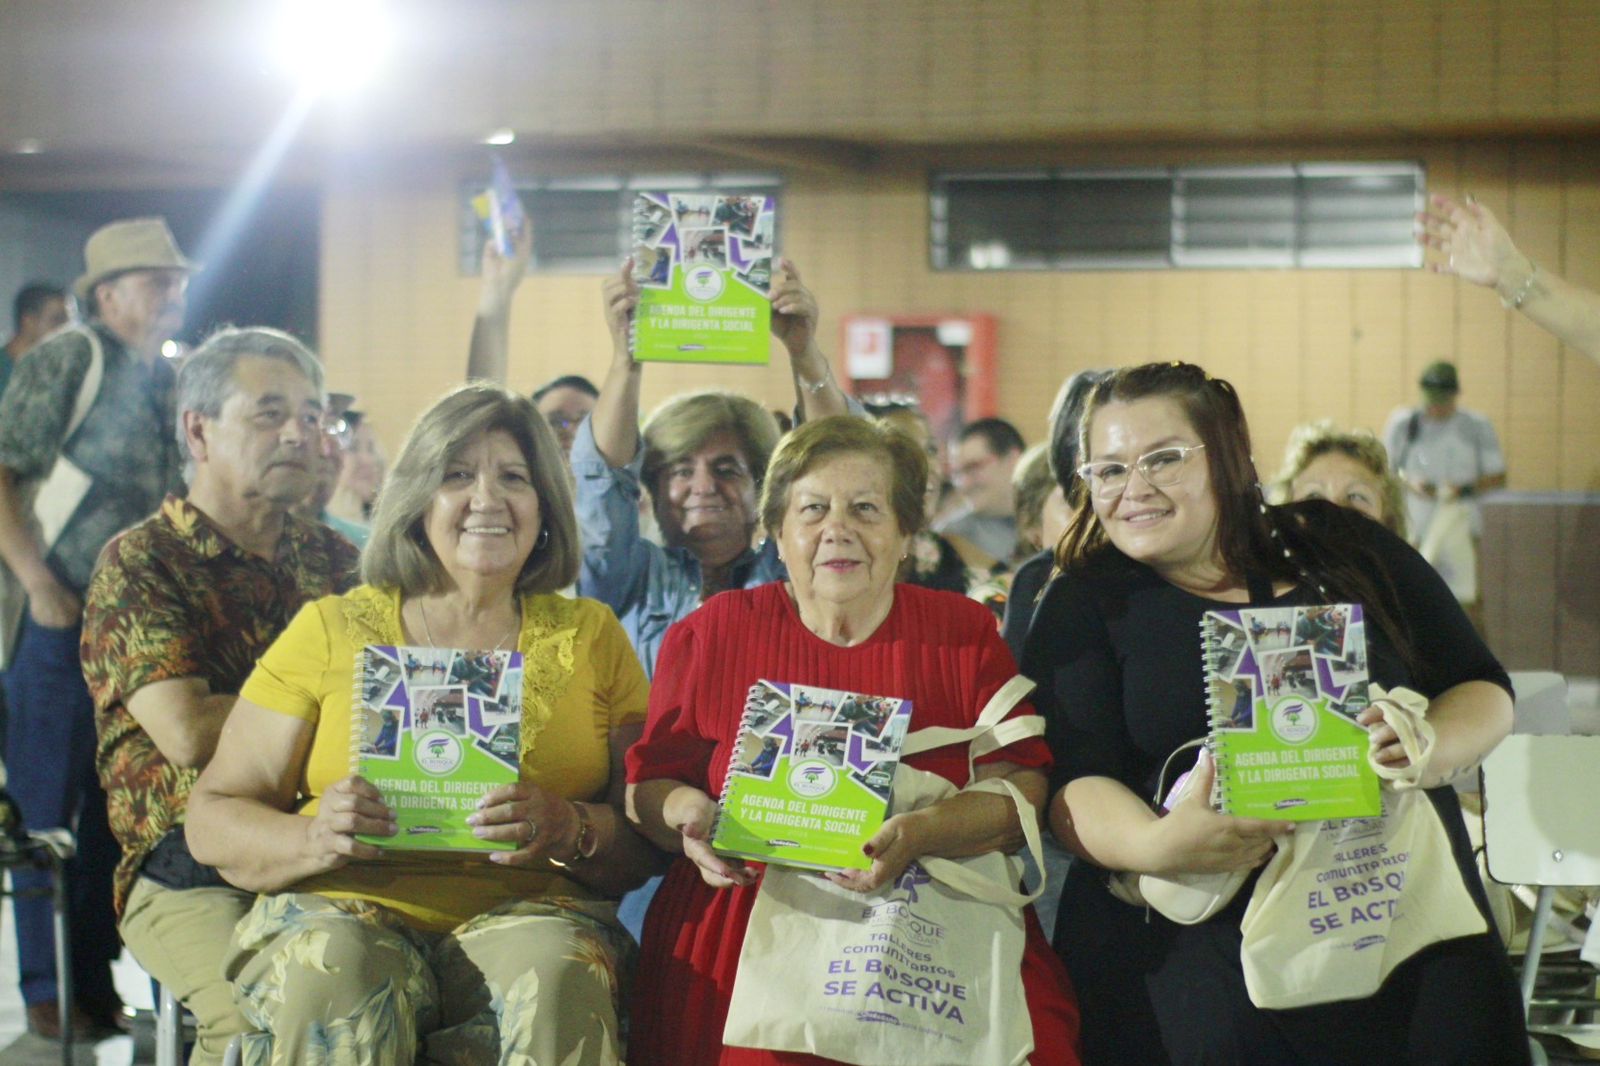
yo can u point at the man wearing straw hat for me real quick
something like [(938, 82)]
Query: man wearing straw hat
[(87, 448)]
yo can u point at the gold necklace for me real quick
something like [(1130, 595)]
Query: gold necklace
[(516, 627)]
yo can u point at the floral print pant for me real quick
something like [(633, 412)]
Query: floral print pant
[(335, 981)]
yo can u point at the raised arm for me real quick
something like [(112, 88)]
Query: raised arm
[(489, 351), (615, 418), (794, 322), (241, 812), (1469, 242)]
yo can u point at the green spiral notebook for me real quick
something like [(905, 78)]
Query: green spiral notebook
[(810, 776), (434, 729), (1284, 686)]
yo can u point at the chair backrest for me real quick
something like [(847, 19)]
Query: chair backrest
[(1540, 794), (1540, 707), (1541, 703)]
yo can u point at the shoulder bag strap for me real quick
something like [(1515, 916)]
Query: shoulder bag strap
[(93, 377), (1000, 704), (970, 882), (991, 732)]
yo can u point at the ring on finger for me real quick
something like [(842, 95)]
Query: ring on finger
[(533, 830)]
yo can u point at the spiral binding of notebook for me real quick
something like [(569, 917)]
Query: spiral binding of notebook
[(1216, 716), (639, 239), (730, 780), (360, 710)]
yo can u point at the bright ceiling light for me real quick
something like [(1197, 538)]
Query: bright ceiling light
[(501, 136), (333, 44), (30, 146)]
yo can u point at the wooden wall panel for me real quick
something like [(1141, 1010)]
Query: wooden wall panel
[(1299, 345), (1577, 595)]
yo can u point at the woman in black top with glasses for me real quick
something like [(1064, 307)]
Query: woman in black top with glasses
[(1173, 525)]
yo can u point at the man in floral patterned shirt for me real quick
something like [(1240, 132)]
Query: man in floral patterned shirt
[(178, 610)]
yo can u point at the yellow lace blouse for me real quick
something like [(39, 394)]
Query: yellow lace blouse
[(581, 681)]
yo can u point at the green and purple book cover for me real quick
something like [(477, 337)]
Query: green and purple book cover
[(1284, 686), (810, 776), (433, 730), (704, 264)]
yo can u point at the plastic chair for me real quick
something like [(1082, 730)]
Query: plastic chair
[(1539, 828), (171, 1022), (49, 850), (1541, 704)]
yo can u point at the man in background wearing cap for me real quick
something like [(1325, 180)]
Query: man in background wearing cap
[(1445, 456), (110, 471)]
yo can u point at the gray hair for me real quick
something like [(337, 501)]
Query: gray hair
[(398, 554), (206, 379)]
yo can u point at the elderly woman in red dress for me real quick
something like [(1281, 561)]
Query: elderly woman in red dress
[(842, 499)]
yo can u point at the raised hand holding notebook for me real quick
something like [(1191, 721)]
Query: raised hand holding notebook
[(810, 776), (703, 263), (434, 729), (1284, 686)]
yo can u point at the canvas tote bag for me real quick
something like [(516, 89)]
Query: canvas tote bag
[(52, 500), (927, 970), (1343, 902), (1448, 545)]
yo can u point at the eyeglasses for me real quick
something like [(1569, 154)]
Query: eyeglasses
[(1160, 468)]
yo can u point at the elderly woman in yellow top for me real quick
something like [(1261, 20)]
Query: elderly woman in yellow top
[(357, 954)]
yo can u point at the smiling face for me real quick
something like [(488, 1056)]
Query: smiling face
[(1340, 479), (264, 443), (707, 501), (484, 518), (840, 539), (1172, 529)]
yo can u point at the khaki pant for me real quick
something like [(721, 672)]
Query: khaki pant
[(345, 981), (181, 939)]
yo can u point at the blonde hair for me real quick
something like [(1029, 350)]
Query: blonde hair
[(1032, 482), (808, 445), (1312, 440), (398, 553)]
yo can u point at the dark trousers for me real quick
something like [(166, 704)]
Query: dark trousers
[(50, 766)]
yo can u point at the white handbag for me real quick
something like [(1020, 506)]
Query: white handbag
[(51, 500), (1185, 898)]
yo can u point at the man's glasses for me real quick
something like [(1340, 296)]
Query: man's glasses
[(1160, 469)]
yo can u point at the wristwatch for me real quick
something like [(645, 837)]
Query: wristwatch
[(588, 841)]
